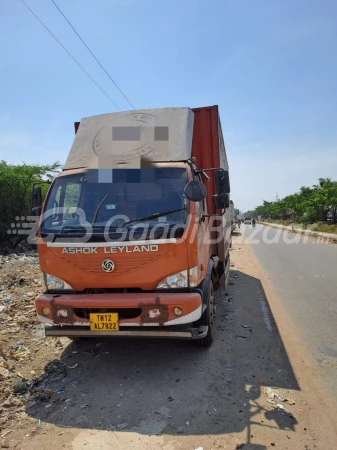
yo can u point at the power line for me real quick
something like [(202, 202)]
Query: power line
[(120, 90), (71, 56)]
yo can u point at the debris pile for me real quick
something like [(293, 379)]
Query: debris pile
[(24, 349), (276, 399)]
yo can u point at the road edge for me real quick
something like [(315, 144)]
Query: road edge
[(330, 237), (304, 366)]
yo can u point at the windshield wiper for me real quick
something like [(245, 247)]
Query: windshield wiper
[(74, 228), (155, 215), (69, 228)]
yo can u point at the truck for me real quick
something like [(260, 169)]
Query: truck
[(134, 233)]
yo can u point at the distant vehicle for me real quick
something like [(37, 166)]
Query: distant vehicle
[(248, 221)]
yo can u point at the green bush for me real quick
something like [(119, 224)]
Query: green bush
[(16, 183)]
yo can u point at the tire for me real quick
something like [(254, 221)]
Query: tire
[(207, 319)]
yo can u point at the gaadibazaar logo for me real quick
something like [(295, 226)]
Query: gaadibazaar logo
[(214, 232), (25, 226)]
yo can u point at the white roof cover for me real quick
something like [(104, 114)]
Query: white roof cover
[(122, 139)]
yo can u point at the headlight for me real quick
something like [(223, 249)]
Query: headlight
[(180, 279), (54, 283), (177, 280)]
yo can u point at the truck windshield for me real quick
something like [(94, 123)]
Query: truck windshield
[(116, 198)]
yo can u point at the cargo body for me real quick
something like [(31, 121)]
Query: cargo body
[(124, 246), (231, 213)]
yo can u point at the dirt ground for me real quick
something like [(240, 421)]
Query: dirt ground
[(253, 389)]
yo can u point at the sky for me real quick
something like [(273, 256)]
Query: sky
[(270, 66)]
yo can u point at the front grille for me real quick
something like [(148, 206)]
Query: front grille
[(123, 265), (110, 291)]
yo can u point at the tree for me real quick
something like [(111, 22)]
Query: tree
[(16, 183), (309, 205)]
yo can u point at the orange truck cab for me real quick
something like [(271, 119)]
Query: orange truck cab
[(134, 233)]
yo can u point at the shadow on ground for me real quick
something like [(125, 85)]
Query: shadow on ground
[(236, 233), (175, 387)]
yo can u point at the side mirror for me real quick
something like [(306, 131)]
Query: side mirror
[(195, 191), (36, 211), (222, 181), (36, 204), (36, 197), (221, 201)]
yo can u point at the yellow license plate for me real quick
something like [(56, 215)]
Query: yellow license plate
[(104, 322)]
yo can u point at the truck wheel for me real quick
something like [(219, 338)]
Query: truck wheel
[(207, 319)]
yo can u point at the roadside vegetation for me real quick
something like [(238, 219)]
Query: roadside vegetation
[(324, 227), (312, 207), (16, 183)]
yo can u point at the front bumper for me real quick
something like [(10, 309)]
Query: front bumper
[(144, 332), (134, 309)]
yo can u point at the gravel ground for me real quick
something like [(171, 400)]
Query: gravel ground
[(243, 392)]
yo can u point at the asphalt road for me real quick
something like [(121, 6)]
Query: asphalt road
[(303, 274)]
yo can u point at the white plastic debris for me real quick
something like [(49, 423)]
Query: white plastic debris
[(73, 367)]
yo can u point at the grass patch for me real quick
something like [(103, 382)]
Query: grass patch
[(281, 222), (326, 227)]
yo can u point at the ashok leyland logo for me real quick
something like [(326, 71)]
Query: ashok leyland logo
[(108, 265)]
